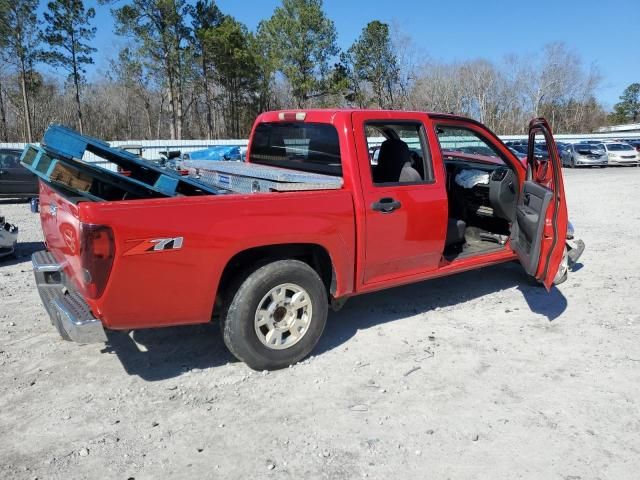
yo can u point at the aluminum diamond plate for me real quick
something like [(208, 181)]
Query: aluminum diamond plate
[(243, 177)]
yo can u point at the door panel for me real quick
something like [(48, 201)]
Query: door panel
[(405, 222), (539, 231), (529, 211)]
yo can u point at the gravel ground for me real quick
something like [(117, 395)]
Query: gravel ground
[(479, 375)]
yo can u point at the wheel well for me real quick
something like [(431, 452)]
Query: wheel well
[(245, 262)]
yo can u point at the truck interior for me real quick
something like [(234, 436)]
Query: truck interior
[(481, 190), (481, 186)]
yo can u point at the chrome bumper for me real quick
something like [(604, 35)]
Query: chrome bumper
[(68, 311)]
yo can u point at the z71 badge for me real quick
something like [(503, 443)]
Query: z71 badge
[(154, 245)]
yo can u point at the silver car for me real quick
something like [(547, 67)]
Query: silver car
[(622, 154), (585, 154)]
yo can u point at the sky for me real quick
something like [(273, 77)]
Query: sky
[(604, 33)]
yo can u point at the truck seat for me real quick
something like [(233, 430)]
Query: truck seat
[(394, 164)]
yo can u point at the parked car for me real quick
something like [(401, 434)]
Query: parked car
[(621, 154), (8, 238), (522, 149), (218, 152), (133, 148), (265, 246), (15, 180), (562, 148), (585, 154), (635, 144)]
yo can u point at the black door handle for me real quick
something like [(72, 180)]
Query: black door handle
[(386, 205)]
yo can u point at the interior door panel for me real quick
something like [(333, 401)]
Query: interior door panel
[(532, 206)]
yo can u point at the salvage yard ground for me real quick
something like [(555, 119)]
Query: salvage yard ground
[(480, 375)]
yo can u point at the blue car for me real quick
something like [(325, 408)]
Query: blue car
[(220, 152)]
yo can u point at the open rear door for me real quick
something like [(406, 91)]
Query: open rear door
[(539, 231)]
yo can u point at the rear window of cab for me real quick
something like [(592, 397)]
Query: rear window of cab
[(307, 147)]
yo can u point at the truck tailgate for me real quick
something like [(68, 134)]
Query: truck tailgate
[(60, 222)]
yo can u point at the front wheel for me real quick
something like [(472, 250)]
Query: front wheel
[(276, 316)]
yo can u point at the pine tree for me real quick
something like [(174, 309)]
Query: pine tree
[(68, 33)]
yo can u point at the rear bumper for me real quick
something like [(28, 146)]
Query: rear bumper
[(624, 162), (68, 311), (591, 161)]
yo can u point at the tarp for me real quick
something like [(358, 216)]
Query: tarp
[(221, 152)]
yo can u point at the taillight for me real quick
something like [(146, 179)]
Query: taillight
[(97, 251)]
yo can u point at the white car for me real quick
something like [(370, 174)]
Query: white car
[(621, 154), (8, 238)]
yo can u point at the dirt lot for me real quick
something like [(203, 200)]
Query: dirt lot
[(480, 375)]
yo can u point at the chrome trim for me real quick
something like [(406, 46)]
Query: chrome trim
[(46, 264), (89, 330), (67, 310)]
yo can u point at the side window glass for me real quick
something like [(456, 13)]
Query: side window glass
[(9, 160), (398, 153), (459, 143)]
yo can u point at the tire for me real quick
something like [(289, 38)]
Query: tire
[(263, 328), (561, 276)]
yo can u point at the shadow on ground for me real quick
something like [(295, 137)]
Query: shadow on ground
[(22, 254), (373, 309), (11, 201), (169, 352), (161, 353)]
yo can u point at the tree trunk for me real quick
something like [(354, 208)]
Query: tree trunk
[(172, 110), (25, 101), (147, 109), (76, 83), (207, 96), (160, 116), (3, 119)]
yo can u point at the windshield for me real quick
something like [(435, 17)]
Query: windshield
[(618, 147), (308, 147)]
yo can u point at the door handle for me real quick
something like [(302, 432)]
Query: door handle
[(386, 205)]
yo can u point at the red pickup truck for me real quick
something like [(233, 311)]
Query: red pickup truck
[(329, 204)]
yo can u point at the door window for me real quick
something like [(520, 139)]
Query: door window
[(398, 153), (458, 143), (9, 160)]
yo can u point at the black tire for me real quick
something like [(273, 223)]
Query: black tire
[(238, 322)]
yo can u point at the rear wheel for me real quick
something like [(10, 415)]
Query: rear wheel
[(276, 316)]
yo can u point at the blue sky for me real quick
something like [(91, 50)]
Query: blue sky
[(606, 33)]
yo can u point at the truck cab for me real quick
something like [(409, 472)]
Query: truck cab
[(441, 192)]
